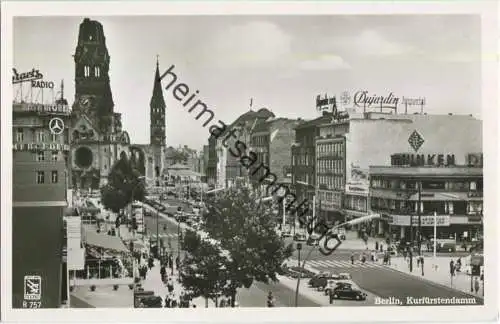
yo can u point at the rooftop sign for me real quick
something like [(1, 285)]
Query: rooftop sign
[(26, 76)]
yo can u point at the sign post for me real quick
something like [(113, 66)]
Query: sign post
[(435, 238)]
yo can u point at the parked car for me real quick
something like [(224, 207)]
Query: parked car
[(299, 237), (295, 272), (319, 281), (446, 247), (347, 291), (286, 233), (312, 241), (152, 302), (341, 278)]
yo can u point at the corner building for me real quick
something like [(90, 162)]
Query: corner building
[(39, 197), (346, 148)]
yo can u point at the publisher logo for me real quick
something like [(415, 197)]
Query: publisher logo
[(32, 287)]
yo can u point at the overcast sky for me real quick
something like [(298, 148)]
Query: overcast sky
[(282, 62)]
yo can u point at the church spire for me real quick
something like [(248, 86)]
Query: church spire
[(157, 100)]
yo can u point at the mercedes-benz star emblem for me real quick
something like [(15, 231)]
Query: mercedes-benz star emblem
[(56, 126)]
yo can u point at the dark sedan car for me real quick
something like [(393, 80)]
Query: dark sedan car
[(319, 279), (346, 291)]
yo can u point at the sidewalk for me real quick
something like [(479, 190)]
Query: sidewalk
[(352, 242), (437, 271), (153, 283)]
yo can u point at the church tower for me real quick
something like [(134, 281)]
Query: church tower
[(157, 127), (97, 137), (92, 89)]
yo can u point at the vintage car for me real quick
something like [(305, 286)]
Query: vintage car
[(347, 291)]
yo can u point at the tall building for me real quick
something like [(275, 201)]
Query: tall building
[(157, 128), (229, 169), (304, 157), (96, 130), (212, 161), (39, 197), (271, 141)]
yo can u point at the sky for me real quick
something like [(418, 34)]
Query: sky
[(282, 62)]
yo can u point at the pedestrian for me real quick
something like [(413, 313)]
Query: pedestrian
[(352, 257), (163, 272), (476, 285), (170, 285), (418, 262), (376, 245), (168, 301), (151, 263), (177, 262), (422, 263), (452, 268), (171, 264), (381, 247)]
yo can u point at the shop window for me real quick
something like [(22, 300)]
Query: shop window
[(433, 185), (474, 207), (473, 186), (40, 177)]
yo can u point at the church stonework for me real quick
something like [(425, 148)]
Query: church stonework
[(97, 137), (96, 130)]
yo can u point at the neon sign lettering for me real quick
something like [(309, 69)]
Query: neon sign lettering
[(26, 76)]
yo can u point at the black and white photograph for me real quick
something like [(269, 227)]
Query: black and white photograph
[(202, 156)]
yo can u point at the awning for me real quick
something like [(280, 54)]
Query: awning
[(103, 240)]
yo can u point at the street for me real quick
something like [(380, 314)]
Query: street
[(256, 295), (379, 279), (373, 277)]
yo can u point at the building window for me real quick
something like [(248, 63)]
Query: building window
[(54, 177), (97, 71), (20, 135), (40, 136), (40, 177), (40, 156), (54, 155), (86, 71), (473, 186)]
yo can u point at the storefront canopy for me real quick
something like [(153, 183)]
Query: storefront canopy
[(103, 240)]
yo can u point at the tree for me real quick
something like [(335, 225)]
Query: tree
[(124, 185), (202, 271), (245, 228)]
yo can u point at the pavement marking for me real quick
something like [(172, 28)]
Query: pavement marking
[(339, 264)]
